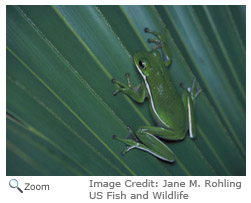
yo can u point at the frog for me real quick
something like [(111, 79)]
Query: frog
[(173, 113)]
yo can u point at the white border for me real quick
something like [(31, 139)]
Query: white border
[(75, 189)]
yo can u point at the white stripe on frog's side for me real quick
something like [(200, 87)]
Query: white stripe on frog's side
[(151, 99), (189, 119)]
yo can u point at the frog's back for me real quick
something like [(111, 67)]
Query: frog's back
[(165, 102)]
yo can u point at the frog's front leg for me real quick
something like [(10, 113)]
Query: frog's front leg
[(161, 42), (189, 96), (148, 142), (138, 93)]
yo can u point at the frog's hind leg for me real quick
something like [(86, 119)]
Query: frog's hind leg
[(148, 142), (147, 135), (189, 96), (164, 133), (160, 150)]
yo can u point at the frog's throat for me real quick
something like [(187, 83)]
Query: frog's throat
[(151, 98)]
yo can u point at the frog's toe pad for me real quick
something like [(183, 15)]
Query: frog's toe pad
[(115, 92), (146, 29)]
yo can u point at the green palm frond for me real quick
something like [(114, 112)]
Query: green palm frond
[(61, 113)]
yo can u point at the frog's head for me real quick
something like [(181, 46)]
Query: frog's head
[(146, 61)]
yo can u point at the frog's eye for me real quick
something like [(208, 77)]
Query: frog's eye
[(142, 64)]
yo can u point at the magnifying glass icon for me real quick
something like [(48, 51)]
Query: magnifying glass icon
[(14, 184)]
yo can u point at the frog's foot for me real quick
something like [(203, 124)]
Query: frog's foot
[(122, 87), (128, 80), (161, 42), (131, 141), (138, 93), (131, 144), (158, 40), (193, 91), (158, 35), (131, 134)]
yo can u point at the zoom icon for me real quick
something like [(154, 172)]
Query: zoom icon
[(14, 184)]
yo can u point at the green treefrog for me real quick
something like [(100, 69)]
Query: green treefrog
[(173, 114)]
